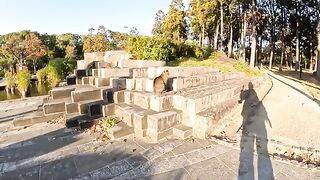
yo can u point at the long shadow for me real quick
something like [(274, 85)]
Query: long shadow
[(298, 90), (29, 159), (254, 136)]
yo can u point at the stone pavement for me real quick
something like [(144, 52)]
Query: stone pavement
[(46, 151)]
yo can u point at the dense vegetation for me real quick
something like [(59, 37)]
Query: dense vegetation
[(266, 31)]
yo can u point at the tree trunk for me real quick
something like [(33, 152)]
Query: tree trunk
[(281, 60), (230, 42), (318, 54), (253, 36), (202, 44), (34, 66), (221, 26), (216, 35), (242, 55), (23, 94), (311, 57)]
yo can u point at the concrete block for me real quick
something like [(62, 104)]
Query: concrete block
[(140, 133), (130, 84), (142, 99), (61, 92), (179, 102), (161, 103), (128, 115), (103, 64), (181, 131), (164, 120), (140, 119), (140, 84), (139, 72), (51, 108), (72, 108), (108, 110), (149, 85), (114, 72), (28, 121), (85, 80), (85, 95), (118, 97), (107, 94), (128, 97), (119, 130), (118, 83), (119, 110), (99, 82)]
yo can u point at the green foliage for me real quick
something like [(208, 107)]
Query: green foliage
[(63, 66), (41, 75), (164, 49), (109, 122), (23, 80), (53, 76), (9, 79), (213, 61)]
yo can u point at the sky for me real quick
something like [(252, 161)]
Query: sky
[(77, 16)]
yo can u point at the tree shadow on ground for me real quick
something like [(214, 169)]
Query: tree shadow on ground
[(254, 132), (62, 154)]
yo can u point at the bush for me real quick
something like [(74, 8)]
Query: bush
[(9, 79), (41, 75), (63, 66), (52, 76), (23, 80), (164, 49), (109, 122)]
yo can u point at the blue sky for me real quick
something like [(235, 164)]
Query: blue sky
[(77, 16)]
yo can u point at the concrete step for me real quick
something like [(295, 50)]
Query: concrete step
[(181, 131), (126, 112), (147, 100), (36, 118), (208, 120), (92, 107), (55, 106), (195, 100), (62, 92), (160, 125), (86, 94), (119, 130)]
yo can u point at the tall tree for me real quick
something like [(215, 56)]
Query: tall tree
[(34, 49), (156, 30), (174, 25)]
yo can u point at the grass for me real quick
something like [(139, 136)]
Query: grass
[(110, 122), (215, 62)]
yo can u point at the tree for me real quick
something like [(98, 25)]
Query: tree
[(134, 31), (156, 30), (71, 52), (23, 82), (174, 24), (34, 49)]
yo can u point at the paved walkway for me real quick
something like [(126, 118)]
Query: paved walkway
[(288, 114), (52, 152)]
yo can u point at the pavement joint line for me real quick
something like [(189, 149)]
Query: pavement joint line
[(226, 165), (138, 144)]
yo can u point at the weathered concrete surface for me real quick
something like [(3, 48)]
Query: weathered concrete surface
[(288, 114), (53, 152)]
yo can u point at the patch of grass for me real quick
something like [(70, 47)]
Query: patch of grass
[(213, 61), (110, 122)]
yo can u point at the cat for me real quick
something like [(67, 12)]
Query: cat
[(160, 83)]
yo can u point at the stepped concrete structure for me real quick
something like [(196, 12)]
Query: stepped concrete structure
[(110, 84)]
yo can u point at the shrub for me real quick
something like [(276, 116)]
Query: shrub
[(109, 122), (23, 80), (41, 75), (53, 77), (9, 79), (63, 66)]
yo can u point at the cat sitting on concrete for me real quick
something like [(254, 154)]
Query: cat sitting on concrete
[(160, 83)]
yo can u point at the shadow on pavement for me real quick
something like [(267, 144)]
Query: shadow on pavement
[(254, 133), (48, 157), (308, 96)]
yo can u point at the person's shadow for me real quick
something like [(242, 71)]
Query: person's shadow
[(254, 132)]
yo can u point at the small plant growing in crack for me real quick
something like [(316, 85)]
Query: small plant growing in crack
[(110, 122)]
